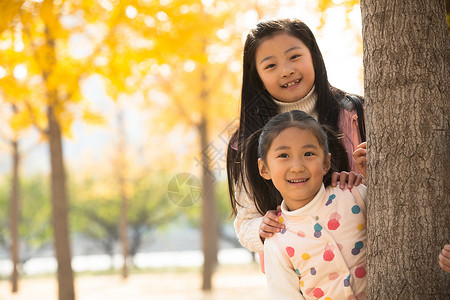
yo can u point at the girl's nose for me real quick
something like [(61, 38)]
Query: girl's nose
[(288, 73), (297, 166), (287, 70)]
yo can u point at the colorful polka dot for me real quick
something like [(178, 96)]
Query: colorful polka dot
[(306, 256), (301, 233), (302, 284), (298, 272), (330, 199), (290, 251), (360, 226), (327, 298), (359, 245), (328, 255), (333, 224), (360, 272), (356, 209), (283, 231), (317, 230), (318, 293), (280, 219), (347, 281), (335, 215), (333, 276), (313, 271), (317, 227)]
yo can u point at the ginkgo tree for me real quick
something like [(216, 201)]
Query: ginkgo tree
[(17, 123), (194, 65), (53, 73)]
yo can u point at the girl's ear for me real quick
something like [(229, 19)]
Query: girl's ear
[(263, 170), (327, 164)]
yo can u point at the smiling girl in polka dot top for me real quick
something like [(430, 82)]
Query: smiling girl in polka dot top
[(322, 251)]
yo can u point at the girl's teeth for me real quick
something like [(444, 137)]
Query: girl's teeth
[(292, 83), (298, 181)]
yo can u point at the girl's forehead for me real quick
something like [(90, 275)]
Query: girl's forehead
[(280, 34), (295, 135)]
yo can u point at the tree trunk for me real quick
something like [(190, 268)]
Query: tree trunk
[(15, 218), (60, 210), (406, 74), (123, 194), (209, 210)]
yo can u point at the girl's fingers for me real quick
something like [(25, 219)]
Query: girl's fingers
[(361, 165), (272, 214), (358, 180), (444, 266), (334, 178), (359, 153), (343, 179), (362, 146), (351, 179), (444, 258), (264, 234), (270, 224)]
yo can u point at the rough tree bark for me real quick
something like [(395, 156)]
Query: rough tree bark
[(406, 83), (60, 210)]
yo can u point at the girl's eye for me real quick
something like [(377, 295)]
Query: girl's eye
[(269, 66), (295, 56), (283, 155), (309, 154)]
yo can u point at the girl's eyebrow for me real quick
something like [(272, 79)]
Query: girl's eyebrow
[(284, 147), (292, 48), (269, 57), (310, 146)]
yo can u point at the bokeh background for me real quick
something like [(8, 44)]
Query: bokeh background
[(142, 91)]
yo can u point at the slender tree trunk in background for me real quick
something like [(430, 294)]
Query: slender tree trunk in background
[(406, 73), (60, 210), (209, 210), (124, 196), (15, 218)]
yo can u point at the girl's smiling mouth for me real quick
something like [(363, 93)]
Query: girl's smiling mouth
[(287, 85), (298, 180)]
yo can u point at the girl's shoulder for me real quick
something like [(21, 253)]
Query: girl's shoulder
[(349, 102), (356, 191)]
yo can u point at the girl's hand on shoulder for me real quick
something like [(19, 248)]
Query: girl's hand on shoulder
[(360, 157), (350, 178), (444, 258), (270, 224)]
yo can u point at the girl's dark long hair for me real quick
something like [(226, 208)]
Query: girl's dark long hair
[(257, 105), (261, 191)]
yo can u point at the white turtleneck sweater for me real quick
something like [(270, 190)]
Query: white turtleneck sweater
[(306, 104)]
